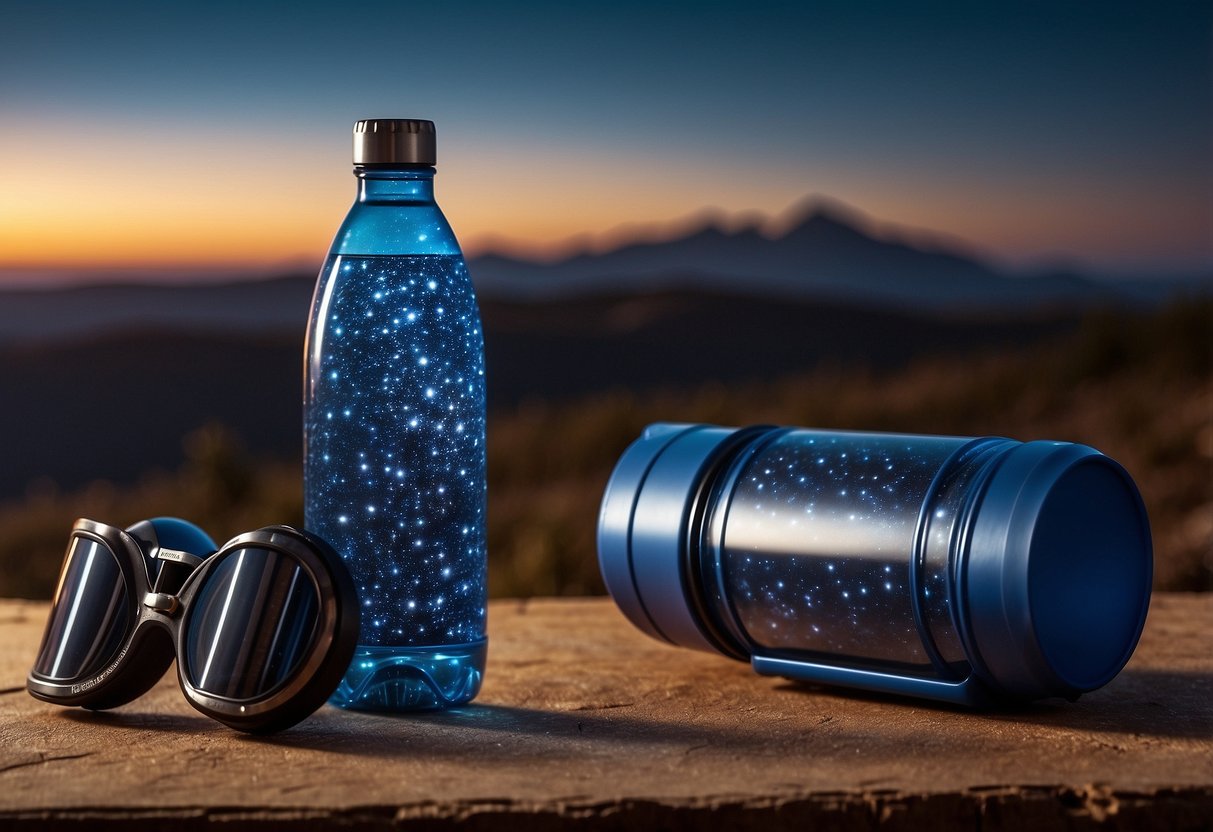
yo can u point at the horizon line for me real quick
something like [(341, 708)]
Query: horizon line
[(771, 226)]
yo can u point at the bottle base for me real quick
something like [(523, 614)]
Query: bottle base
[(396, 679)]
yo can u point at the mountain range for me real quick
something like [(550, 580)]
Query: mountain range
[(102, 382), (825, 253)]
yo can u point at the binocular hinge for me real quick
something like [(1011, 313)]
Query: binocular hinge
[(161, 602)]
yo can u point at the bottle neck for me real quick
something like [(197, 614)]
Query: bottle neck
[(395, 185)]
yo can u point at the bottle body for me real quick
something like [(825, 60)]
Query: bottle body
[(394, 445), (952, 568)]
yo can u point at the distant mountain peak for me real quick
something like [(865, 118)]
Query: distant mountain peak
[(817, 214), (714, 227)]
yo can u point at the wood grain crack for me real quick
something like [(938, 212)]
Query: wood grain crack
[(605, 707), (43, 759)]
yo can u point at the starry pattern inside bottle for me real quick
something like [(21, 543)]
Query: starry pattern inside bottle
[(819, 540), (396, 443)]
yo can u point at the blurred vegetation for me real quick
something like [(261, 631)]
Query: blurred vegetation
[(1137, 386)]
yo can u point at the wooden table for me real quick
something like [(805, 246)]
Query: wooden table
[(585, 722)]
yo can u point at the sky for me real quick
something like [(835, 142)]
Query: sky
[(184, 137)]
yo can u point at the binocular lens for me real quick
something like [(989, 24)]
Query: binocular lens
[(250, 624), (90, 615)]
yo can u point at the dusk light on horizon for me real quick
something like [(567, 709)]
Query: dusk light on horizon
[(178, 139)]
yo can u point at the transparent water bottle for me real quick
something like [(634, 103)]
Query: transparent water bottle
[(394, 430), (962, 570)]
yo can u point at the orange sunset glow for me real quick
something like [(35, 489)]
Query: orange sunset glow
[(135, 144), (112, 209)]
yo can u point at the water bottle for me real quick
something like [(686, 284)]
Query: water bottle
[(970, 571), (394, 430)]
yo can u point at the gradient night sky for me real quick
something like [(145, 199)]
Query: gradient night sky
[(217, 135)]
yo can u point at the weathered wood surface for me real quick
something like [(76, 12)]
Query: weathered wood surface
[(583, 721)]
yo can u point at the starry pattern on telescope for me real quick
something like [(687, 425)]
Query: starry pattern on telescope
[(395, 444), (819, 540)]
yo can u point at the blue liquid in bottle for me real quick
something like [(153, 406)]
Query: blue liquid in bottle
[(394, 431)]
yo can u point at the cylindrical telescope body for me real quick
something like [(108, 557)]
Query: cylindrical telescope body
[(958, 569)]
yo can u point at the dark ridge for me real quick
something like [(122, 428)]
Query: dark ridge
[(116, 405)]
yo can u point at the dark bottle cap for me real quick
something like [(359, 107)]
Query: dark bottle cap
[(394, 141)]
